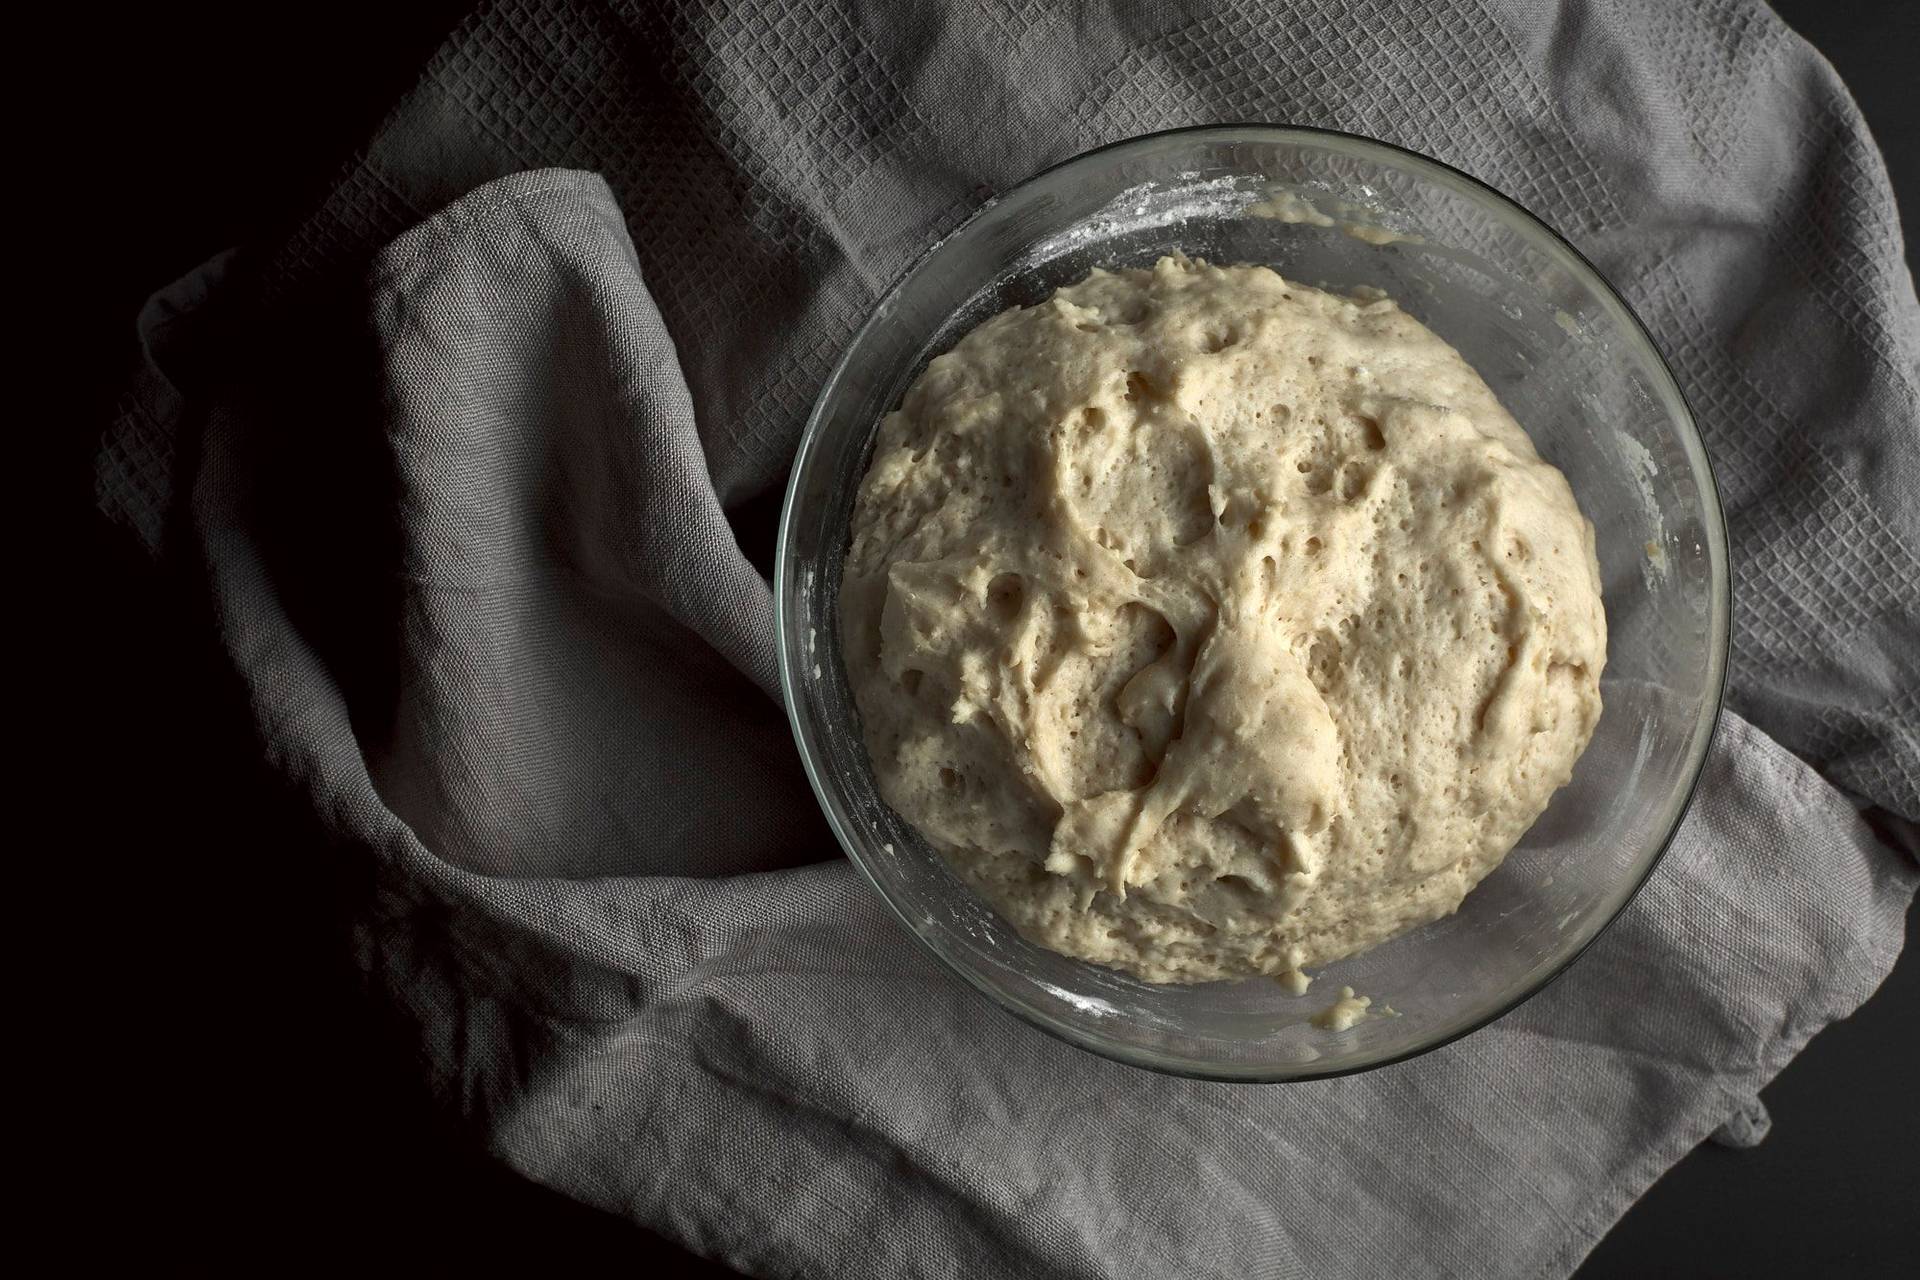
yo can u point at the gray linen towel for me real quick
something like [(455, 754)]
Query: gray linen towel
[(492, 574)]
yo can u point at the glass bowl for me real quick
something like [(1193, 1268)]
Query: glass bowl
[(1569, 360)]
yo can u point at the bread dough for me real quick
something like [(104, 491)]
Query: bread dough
[(1212, 625), (1348, 1011)]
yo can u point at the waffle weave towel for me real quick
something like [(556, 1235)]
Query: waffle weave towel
[(476, 469)]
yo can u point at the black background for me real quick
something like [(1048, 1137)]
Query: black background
[(262, 1112)]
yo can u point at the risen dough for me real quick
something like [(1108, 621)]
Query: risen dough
[(1212, 625)]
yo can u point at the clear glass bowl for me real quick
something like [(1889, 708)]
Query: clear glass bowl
[(1568, 359)]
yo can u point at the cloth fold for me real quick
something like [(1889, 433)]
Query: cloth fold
[(477, 509)]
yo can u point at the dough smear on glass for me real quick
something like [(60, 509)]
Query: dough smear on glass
[(1213, 626)]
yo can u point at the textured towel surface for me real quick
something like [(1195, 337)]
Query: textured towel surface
[(480, 515)]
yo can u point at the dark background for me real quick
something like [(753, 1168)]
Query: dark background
[(261, 1110)]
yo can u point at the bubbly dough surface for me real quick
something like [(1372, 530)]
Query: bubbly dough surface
[(1212, 625)]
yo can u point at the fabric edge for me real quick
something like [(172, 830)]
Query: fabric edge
[(472, 211), (1711, 1112)]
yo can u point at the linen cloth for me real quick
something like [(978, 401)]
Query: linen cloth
[(476, 469)]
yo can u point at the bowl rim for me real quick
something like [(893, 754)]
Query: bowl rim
[(1720, 604)]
